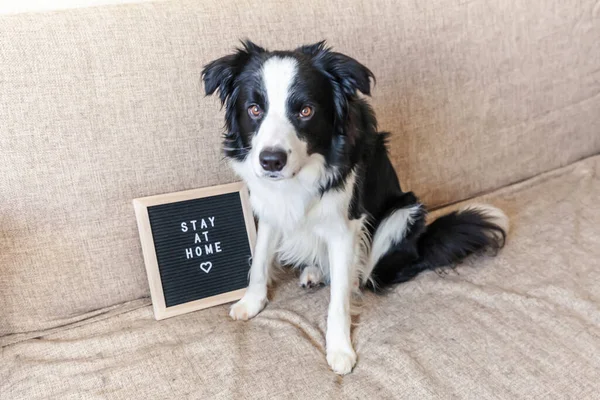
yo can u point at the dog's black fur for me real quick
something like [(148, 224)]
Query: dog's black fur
[(344, 131)]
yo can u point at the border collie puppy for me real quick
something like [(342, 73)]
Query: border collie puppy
[(322, 186)]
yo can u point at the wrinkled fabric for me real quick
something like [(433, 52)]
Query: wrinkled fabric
[(522, 325)]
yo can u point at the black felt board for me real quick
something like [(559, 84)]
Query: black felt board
[(183, 279)]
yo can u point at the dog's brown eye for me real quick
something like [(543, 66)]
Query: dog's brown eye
[(306, 112), (254, 111)]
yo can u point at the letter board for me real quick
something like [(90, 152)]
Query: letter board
[(197, 247)]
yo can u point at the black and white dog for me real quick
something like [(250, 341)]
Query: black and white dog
[(322, 186)]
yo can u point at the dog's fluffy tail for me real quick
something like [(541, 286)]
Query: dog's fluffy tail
[(454, 236)]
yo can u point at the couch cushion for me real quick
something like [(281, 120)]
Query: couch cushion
[(99, 106), (525, 324)]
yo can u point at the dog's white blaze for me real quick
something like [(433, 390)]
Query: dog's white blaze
[(389, 232), (276, 129), (278, 74)]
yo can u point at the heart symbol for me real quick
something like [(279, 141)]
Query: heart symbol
[(206, 266)]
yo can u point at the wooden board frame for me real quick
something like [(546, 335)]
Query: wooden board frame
[(161, 311)]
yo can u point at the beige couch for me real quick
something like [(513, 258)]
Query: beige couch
[(487, 100)]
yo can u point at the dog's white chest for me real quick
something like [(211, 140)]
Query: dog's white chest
[(304, 244), (305, 222)]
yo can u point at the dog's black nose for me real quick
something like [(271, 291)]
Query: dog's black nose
[(272, 160)]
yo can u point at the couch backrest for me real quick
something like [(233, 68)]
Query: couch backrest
[(99, 106)]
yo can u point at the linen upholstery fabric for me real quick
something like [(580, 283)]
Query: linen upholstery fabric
[(522, 325), (100, 106)]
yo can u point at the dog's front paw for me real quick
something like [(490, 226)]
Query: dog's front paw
[(311, 277), (247, 307), (341, 361)]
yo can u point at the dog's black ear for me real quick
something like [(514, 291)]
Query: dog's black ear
[(220, 74), (347, 77), (348, 73)]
